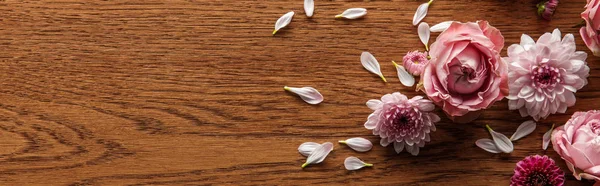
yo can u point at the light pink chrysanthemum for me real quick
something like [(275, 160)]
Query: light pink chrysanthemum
[(415, 62), (544, 75), (404, 122), (537, 170)]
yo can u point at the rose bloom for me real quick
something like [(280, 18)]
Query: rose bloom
[(466, 73), (589, 33), (578, 143)]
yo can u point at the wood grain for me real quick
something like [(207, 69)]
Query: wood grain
[(190, 92)]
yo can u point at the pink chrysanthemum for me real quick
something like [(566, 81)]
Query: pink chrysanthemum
[(537, 171), (546, 9), (415, 62), (544, 75), (404, 122)]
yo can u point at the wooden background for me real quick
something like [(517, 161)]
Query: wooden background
[(191, 92)]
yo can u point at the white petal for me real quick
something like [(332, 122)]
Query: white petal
[(353, 163), (556, 35), (487, 145), (309, 7), (546, 138), (524, 129), (283, 21), (398, 147), (374, 104), (424, 34), (307, 148), (371, 64), (358, 144), (353, 13), (406, 78), (440, 27), (502, 142), (308, 94), (527, 41), (421, 12), (319, 154)]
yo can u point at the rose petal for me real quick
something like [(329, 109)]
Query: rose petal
[(371, 64), (487, 145), (406, 78), (358, 144), (524, 129), (546, 138), (283, 21), (309, 7), (421, 12), (424, 34), (353, 163), (307, 148), (319, 154), (440, 27), (353, 13), (308, 94), (501, 141)]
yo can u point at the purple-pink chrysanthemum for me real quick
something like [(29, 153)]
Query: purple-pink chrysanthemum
[(415, 62), (537, 170), (546, 9), (404, 122), (544, 75)]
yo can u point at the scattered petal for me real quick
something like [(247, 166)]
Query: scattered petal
[(421, 12), (319, 154), (501, 141), (406, 78), (546, 138), (424, 34), (487, 145), (371, 64), (307, 148), (353, 163), (353, 13), (308, 94), (440, 27), (358, 144), (309, 7), (524, 129), (283, 21)]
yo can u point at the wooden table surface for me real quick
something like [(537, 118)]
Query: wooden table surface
[(191, 92)]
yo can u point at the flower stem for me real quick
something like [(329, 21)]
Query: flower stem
[(342, 142), (383, 78), (430, 1), (274, 31), (286, 88), (395, 64), (304, 165), (368, 165), (338, 16), (488, 127)]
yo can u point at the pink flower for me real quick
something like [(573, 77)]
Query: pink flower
[(537, 170), (465, 72), (415, 62), (546, 9), (544, 75), (589, 33), (404, 122), (578, 143)]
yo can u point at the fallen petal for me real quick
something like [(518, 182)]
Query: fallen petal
[(353, 163), (353, 13), (502, 142), (421, 12), (546, 138), (283, 21), (358, 144), (524, 129), (424, 34), (440, 27), (406, 78), (319, 154), (309, 7), (308, 94), (487, 145), (307, 148), (371, 64)]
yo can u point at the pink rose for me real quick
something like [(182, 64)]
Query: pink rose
[(578, 143), (589, 33), (465, 72)]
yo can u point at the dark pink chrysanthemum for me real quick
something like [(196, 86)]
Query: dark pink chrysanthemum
[(415, 62), (546, 9), (537, 171)]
